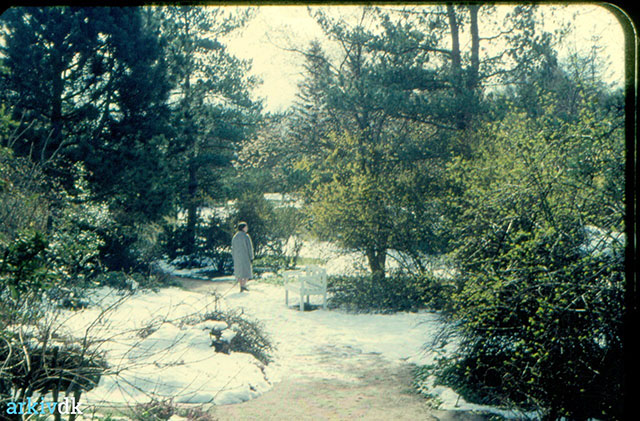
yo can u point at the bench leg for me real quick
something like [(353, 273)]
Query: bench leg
[(324, 300), (301, 302), (286, 297)]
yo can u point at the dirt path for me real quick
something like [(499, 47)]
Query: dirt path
[(336, 383), (378, 391)]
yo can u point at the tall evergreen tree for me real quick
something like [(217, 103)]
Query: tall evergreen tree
[(126, 149), (89, 86), (52, 59), (312, 118), (84, 81), (378, 131), (211, 105)]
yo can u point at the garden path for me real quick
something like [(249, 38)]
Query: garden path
[(333, 383)]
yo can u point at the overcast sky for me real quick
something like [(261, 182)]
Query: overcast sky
[(273, 28)]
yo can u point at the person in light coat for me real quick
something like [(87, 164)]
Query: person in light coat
[(242, 252)]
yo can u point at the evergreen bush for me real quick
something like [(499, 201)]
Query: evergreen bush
[(368, 293)]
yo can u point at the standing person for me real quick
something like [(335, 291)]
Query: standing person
[(242, 252)]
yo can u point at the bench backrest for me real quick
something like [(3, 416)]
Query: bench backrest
[(313, 277), (292, 275), (316, 276)]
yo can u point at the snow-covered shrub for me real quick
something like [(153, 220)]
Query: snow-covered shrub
[(133, 281), (209, 265), (216, 262), (249, 334)]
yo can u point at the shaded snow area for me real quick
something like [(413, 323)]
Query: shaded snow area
[(603, 242), (158, 345)]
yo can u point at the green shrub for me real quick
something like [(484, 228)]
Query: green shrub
[(270, 263), (213, 238), (390, 294), (48, 249), (539, 248), (256, 211), (549, 332)]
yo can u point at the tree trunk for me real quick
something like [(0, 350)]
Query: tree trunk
[(456, 61), (192, 210), (377, 259), (473, 77), (457, 77), (57, 87)]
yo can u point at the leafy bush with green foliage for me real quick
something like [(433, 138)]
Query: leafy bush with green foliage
[(216, 235), (48, 237), (270, 263), (270, 227), (286, 223), (368, 293), (541, 304), (256, 211), (213, 238)]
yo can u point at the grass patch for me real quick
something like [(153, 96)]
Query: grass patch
[(274, 279)]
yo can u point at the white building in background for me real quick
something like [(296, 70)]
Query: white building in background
[(224, 211)]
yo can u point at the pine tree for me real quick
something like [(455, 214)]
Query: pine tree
[(211, 106), (52, 59)]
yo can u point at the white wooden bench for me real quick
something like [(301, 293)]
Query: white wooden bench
[(307, 281)]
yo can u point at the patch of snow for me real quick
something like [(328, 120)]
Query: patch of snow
[(601, 242), (212, 325), (228, 335), (170, 269), (174, 359)]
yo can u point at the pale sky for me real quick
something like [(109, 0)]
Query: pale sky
[(275, 27), (263, 40)]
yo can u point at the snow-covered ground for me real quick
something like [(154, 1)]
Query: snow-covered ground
[(159, 347), (176, 360)]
